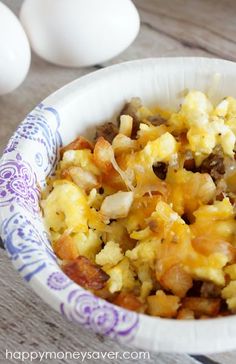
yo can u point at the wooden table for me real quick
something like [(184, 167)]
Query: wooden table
[(169, 28)]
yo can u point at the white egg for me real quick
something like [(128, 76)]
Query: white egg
[(77, 33), (14, 51)]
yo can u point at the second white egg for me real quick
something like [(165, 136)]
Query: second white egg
[(77, 33), (14, 51)]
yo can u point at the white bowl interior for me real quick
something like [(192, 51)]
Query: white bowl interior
[(99, 96)]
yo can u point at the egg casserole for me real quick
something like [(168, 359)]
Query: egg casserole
[(144, 215)]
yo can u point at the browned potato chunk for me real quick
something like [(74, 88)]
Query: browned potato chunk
[(85, 273), (103, 154), (202, 306), (126, 125), (177, 280), (210, 290), (65, 248), (185, 314), (163, 305), (78, 143), (82, 178), (128, 301), (113, 180)]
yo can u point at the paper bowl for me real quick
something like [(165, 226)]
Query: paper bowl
[(32, 154)]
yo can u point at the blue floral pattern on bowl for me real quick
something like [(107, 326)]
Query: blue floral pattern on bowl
[(18, 185), (101, 316), (42, 138), (26, 245), (31, 155)]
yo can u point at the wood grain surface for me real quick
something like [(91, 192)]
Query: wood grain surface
[(168, 28)]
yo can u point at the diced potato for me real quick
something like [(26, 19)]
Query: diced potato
[(85, 273), (117, 205), (177, 280), (121, 143), (83, 178), (204, 317), (79, 158), (206, 188), (105, 294), (163, 305), (92, 197), (185, 314), (65, 247), (128, 301), (126, 125), (116, 280), (210, 290), (202, 306), (145, 289), (78, 143), (145, 276), (113, 180), (105, 159), (103, 154)]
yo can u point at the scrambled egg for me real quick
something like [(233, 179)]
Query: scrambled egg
[(136, 209)]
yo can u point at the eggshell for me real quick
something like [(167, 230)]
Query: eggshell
[(14, 51), (79, 33)]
